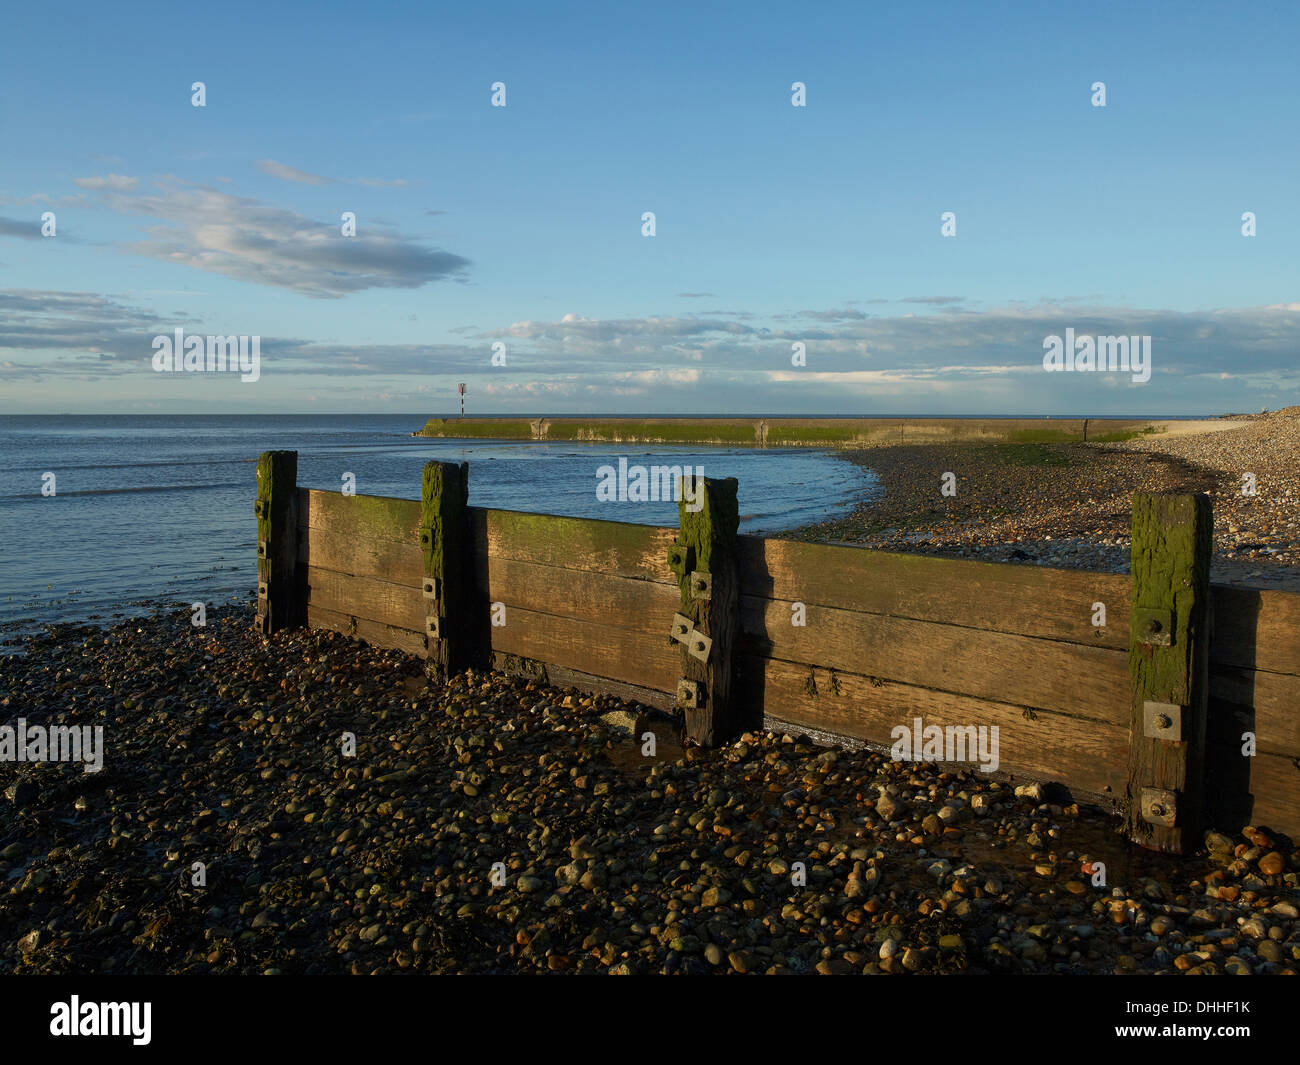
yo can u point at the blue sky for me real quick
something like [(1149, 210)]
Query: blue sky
[(774, 224)]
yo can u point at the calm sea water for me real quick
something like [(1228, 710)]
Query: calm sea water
[(161, 507)]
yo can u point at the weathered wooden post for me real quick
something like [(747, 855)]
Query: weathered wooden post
[(452, 635), (281, 603), (1173, 537), (704, 559)]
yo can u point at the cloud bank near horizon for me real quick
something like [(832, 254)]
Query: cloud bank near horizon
[(962, 356)]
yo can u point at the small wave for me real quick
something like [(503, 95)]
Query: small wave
[(126, 491), (138, 465)]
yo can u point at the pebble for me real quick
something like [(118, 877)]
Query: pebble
[(1066, 505), (614, 862), (1272, 864), (889, 808), (1161, 925)]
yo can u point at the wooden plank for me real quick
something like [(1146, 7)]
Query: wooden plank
[(590, 647), (997, 597), (559, 677), (1265, 702), (280, 597), (361, 517), (1255, 629), (1080, 754), (1173, 538), (373, 632), (576, 543), (1271, 701), (1089, 682), (1263, 790), (706, 557), (364, 597), (381, 559), (1275, 785), (619, 602)]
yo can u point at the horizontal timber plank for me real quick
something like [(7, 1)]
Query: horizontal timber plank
[(590, 647), (1275, 783), (1275, 698), (364, 597), (373, 632), (361, 517), (1256, 629), (1084, 681), (1047, 746), (1272, 782), (619, 548), (398, 563), (617, 602), (998, 597), (559, 677)]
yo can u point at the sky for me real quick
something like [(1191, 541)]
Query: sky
[(518, 230)]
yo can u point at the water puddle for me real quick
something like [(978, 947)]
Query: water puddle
[(627, 755)]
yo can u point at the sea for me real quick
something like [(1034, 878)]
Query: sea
[(104, 517)]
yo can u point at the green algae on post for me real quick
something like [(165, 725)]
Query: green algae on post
[(1169, 664), (453, 629), (280, 599), (710, 587)]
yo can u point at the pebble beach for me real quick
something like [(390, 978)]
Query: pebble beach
[(1067, 505), (496, 825)]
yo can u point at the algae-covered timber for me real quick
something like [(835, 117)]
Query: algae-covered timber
[(794, 432)]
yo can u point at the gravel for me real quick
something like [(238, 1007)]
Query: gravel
[(492, 824), (1067, 505)]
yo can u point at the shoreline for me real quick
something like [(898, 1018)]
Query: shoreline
[(813, 432), (223, 749), (1067, 504)]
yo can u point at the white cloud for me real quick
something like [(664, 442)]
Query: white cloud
[(215, 231), (113, 183), (290, 173)]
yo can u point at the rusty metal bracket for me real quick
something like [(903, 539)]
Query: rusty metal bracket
[(701, 585), (700, 646), (1159, 807), (682, 628), (1162, 721), (1154, 626), (690, 694), (681, 558)]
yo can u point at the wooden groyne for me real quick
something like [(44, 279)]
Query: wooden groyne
[(1160, 693), (794, 432)]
